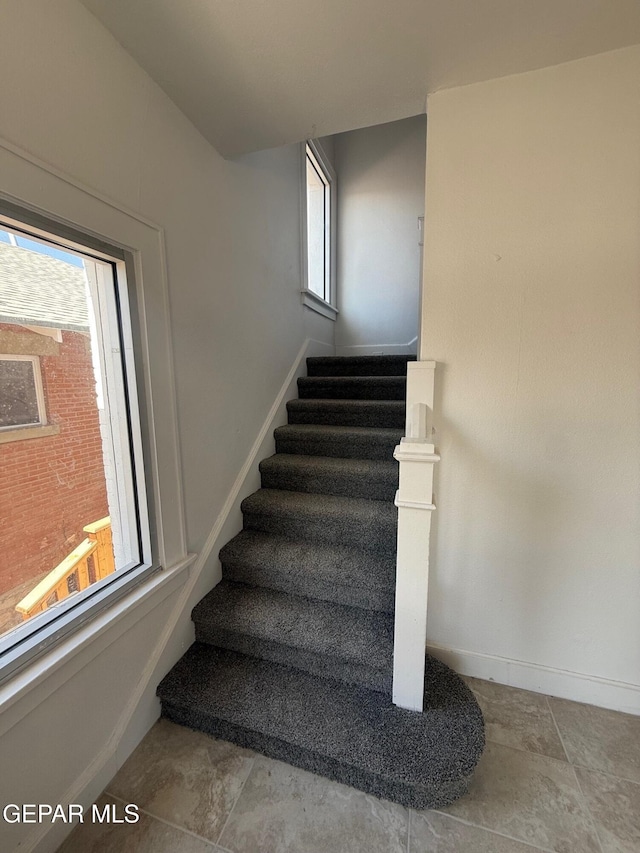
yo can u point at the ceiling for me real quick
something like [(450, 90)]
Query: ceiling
[(253, 74)]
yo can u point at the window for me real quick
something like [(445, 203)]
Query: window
[(57, 209), (21, 394), (74, 528), (318, 228), (319, 232)]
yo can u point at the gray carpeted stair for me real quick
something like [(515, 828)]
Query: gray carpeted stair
[(327, 639), (350, 734), (354, 522), (352, 478), (338, 441), (359, 413), (352, 387), (359, 365), (294, 650), (329, 573)]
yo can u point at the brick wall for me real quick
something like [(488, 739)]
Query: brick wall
[(51, 486)]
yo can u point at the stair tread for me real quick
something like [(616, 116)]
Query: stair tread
[(348, 733), (338, 563), (340, 433), (285, 503), (352, 387), (342, 442), (355, 522), (375, 479), (364, 467), (346, 403), (368, 413), (368, 365), (317, 570), (348, 633)]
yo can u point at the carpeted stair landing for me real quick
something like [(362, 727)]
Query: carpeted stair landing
[(294, 648)]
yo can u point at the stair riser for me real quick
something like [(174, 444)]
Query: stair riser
[(352, 388), (389, 365), (380, 600), (375, 536), (323, 665), (379, 486), (409, 796), (356, 448), (373, 417)]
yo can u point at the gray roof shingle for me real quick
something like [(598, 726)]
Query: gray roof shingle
[(38, 290)]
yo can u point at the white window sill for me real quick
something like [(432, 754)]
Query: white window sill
[(318, 304), (66, 658)]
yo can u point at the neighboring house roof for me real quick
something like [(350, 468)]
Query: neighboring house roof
[(38, 290)]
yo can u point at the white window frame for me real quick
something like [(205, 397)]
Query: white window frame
[(37, 379), (128, 503), (114, 330), (80, 217), (327, 307)]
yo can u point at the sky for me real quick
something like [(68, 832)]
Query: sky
[(42, 248)]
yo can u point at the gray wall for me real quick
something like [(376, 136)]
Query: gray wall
[(380, 197)]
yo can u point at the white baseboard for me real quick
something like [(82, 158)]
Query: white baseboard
[(85, 791), (380, 349), (577, 686)]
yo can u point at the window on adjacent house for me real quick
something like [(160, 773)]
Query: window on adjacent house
[(319, 292), (73, 514), (21, 394)]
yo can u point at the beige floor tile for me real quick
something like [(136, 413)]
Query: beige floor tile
[(184, 777), (517, 718), (599, 739), (146, 836), (286, 810), (432, 832), (615, 807), (529, 797)]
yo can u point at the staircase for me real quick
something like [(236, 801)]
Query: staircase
[(294, 647)]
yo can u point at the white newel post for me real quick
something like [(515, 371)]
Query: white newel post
[(414, 499)]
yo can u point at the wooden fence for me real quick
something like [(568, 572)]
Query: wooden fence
[(91, 561)]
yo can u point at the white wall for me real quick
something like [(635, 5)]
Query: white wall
[(72, 98), (380, 197), (531, 305)]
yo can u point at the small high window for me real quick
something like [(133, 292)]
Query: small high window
[(319, 230)]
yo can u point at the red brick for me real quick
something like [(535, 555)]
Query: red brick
[(41, 520)]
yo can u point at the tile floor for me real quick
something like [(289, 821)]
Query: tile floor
[(555, 776)]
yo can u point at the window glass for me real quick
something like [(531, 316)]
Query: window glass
[(18, 393), (70, 508), (318, 228)]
